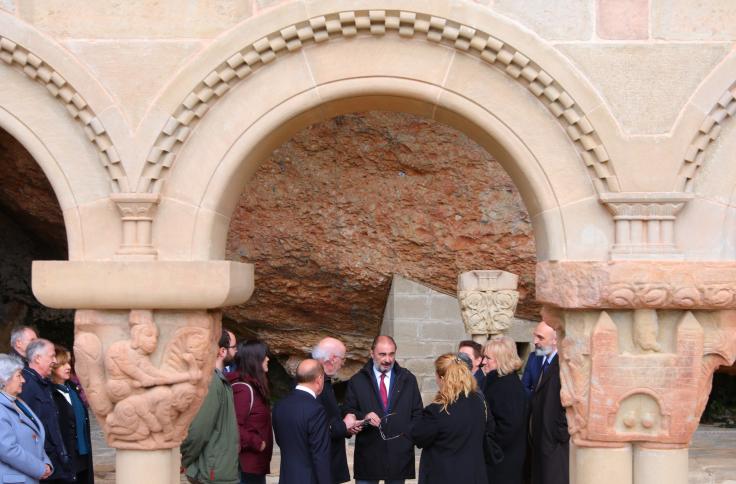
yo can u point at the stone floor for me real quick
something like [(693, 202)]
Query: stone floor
[(712, 458)]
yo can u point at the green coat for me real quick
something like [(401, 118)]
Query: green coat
[(210, 451)]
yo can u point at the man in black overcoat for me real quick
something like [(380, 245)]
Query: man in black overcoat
[(549, 434), (383, 394), (330, 352)]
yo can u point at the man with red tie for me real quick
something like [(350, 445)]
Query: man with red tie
[(387, 397)]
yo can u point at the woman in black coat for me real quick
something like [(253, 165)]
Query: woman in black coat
[(73, 419), (452, 428), (508, 405)]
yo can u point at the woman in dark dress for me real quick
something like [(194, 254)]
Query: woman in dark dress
[(452, 428), (252, 408), (73, 419), (508, 405)]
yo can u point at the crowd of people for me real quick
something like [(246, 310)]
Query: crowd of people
[(486, 424), (44, 421)]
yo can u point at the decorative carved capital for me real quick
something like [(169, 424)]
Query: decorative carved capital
[(137, 211), (637, 284), (487, 300), (145, 373), (640, 376), (645, 223)]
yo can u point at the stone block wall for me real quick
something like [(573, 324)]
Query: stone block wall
[(425, 324)]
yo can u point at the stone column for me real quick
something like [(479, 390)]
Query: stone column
[(487, 302), (145, 371), (638, 344)]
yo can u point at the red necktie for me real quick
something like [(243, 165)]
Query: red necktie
[(384, 393)]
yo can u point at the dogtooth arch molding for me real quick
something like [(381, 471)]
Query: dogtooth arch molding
[(36, 69), (407, 24)]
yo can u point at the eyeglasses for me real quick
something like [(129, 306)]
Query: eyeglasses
[(382, 431)]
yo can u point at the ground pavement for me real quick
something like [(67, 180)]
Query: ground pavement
[(712, 457)]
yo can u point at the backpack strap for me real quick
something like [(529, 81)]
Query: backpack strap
[(251, 394)]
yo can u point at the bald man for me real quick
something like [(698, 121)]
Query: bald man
[(387, 397), (550, 438), (330, 352), (300, 426)]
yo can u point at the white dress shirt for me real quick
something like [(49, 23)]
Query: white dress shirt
[(306, 389), (386, 380)]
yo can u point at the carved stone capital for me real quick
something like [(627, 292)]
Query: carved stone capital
[(637, 284), (145, 373), (640, 376), (487, 300), (645, 223), (137, 211)]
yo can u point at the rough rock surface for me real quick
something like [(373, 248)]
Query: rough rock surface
[(346, 204), (32, 228)]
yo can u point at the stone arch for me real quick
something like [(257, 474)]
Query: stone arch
[(712, 107), (62, 131), (42, 61), (508, 49)]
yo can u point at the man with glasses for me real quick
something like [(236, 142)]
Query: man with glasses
[(386, 396), (330, 352)]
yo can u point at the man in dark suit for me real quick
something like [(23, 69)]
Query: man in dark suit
[(532, 370), (550, 438), (387, 397), (330, 352), (300, 426)]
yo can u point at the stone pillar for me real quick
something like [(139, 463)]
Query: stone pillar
[(487, 302), (145, 371), (638, 344)]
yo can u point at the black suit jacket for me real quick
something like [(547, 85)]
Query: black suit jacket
[(338, 434), (300, 426), (550, 438)]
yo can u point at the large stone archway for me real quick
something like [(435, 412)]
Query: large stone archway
[(626, 276)]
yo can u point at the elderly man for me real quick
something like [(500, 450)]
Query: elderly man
[(330, 352), (550, 438), (300, 427), (20, 337), (210, 451), (37, 395), (387, 397)]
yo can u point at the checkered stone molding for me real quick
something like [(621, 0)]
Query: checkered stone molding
[(490, 49), (708, 132), (36, 69)]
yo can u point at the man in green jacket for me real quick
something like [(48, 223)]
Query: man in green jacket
[(210, 451)]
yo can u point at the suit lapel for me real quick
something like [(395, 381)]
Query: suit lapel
[(393, 394), (553, 367)]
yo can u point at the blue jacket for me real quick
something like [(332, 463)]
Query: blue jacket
[(531, 373), (37, 395), (22, 458), (300, 426)]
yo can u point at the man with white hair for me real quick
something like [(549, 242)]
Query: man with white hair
[(37, 394), (20, 337), (330, 352)]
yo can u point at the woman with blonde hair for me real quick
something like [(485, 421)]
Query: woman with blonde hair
[(508, 405), (452, 429)]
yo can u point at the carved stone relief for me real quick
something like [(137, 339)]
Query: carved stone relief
[(145, 392), (641, 375), (487, 301)]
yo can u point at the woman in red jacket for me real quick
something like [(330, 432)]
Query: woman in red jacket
[(250, 390)]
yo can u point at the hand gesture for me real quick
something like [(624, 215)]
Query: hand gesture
[(373, 419)]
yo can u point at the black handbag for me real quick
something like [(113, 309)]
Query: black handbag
[(492, 452)]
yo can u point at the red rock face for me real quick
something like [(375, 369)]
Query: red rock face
[(346, 204)]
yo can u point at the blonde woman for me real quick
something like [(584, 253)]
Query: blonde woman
[(452, 428), (507, 403)]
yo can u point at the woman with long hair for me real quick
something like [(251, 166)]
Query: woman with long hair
[(251, 393), (508, 405), (451, 430), (73, 418)]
